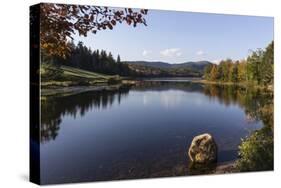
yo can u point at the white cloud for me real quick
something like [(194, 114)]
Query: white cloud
[(216, 61), (200, 52), (146, 52), (178, 54), (171, 52)]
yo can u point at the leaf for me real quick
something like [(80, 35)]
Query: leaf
[(113, 22), (129, 21), (109, 26)]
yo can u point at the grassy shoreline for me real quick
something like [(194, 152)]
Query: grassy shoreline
[(67, 91), (95, 81), (241, 84), (74, 77)]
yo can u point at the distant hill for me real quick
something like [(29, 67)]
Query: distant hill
[(194, 65), (191, 65), (154, 64)]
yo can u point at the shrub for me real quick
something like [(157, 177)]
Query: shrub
[(256, 151)]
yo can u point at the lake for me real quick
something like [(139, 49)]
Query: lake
[(140, 131)]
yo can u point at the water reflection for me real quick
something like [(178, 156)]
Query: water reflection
[(257, 103), (144, 130), (53, 108)]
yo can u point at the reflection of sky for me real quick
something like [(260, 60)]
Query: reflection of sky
[(145, 126), (171, 98)]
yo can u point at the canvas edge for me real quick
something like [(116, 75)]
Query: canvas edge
[(34, 95)]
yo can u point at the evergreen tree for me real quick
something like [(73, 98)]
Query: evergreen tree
[(97, 61), (118, 59)]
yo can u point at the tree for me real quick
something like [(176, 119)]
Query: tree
[(268, 65), (59, 22), (242, 71), (214, 73), (225, 67), (258, 68), (255, 66), (207, 72), (118, 59), (84, 58), (220, 72), (234, 72), (269, 53)]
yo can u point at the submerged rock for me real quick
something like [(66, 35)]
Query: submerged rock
[(203, 149)]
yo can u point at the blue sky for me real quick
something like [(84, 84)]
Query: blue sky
[(177, 37)]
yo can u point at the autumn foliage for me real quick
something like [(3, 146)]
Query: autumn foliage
[(58, 23), (257, 68)]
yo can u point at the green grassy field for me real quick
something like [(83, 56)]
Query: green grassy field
[(65, 76), (70, 71)]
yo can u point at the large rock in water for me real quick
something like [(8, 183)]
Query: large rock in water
[(203, 149)]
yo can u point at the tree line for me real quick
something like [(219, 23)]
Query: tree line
[(257, 68), (99, 61)]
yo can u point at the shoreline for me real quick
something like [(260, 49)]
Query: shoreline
[(76, 89), (243, 84), (73, 90), (226, 167)]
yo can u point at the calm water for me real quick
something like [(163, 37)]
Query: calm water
[(138, 132)]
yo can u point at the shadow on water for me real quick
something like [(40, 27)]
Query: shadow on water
[(54, 108)]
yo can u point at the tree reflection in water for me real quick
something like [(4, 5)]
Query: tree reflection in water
[(256, 150), (53, 108), (256, 102)]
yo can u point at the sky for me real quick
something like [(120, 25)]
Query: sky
[(177, 37)]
